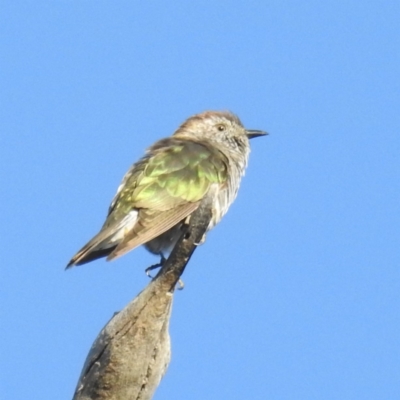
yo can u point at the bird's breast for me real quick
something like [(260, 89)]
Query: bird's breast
[(225, 195)]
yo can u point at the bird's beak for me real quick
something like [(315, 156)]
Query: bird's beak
[(252, 133)]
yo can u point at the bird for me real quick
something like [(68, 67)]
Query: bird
[(208, 153)]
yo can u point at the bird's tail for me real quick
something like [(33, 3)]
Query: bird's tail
[(105, 241), (89, 253), (99, 246)]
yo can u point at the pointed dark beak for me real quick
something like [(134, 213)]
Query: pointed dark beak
[(252, 133)]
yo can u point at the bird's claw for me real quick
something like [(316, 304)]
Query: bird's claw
[(180, 285), (155, 266)]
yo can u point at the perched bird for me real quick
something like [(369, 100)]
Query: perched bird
[(209, 151)]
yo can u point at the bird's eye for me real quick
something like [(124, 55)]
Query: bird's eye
[(221, 127)]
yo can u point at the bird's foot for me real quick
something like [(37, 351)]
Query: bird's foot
[(155, 266), (180, 285)]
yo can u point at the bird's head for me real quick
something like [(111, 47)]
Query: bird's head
[(221, 128)]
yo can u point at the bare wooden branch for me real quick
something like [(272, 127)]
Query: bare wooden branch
[(132, 352)]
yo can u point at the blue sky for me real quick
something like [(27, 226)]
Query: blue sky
[(296, 294)]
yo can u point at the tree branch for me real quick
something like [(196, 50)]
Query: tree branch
[(132, 352)]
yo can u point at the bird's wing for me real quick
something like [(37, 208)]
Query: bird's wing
[(143, 233), (168, 188)]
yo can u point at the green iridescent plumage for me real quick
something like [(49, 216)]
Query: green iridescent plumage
[(174, 175), (164, 188), (169, 187), (158, 193)]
